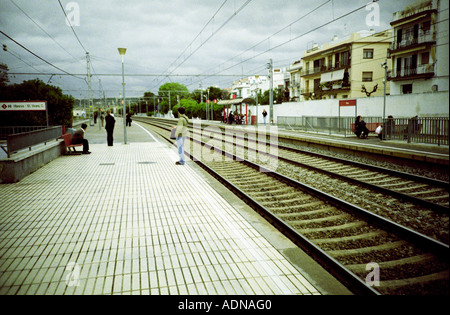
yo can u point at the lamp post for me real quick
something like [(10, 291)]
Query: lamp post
[(122, 52)]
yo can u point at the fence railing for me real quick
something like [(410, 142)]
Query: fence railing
[(431, 130), (9, 130), (326, 125), (19, 141)]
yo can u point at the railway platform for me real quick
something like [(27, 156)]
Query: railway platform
[(127, 220), (420, 152)]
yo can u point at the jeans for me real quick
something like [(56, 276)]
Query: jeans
[(180, 145)]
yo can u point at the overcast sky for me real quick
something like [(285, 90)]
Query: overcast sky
[(213, 40)]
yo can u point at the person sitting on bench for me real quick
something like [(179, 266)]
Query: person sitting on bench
[(78, 137), (361, 130)]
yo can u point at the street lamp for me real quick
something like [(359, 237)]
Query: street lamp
[(122, 52)]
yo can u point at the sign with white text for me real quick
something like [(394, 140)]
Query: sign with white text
[(23, 106)]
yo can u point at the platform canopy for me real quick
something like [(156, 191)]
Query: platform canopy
[(236, 101)]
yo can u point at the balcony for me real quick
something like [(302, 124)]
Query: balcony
[(335, 86), (411, 42), (318, 70), (420, 72), (312, 71)]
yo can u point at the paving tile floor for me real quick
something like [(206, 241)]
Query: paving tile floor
[(127, 220)]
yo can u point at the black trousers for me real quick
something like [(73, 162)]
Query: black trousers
[(85, 145), (109, 138)]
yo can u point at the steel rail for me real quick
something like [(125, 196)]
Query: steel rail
[(338, 270), (402, 196)]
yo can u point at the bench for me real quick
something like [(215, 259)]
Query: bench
[(68, 142), (371, 126)]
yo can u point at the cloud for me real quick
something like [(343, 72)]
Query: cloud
[(157, 32)]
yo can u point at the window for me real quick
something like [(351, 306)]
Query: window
[(345, 58), (426, 26), (368, 54), (407, 89), (425, 58), (367, 76)]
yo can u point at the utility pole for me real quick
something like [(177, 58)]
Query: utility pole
[(89, 83), (385, 66), (270, 67), (170, 106)]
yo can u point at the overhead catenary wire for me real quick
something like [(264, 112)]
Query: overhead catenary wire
[(295, 38), (207, 74), (201, 31), (43, 30), (39, 57), (71, 26), (274, 34), (288, 41), (212, 35)]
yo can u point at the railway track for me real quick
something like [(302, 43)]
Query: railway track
[(429, 192), (344, 238)]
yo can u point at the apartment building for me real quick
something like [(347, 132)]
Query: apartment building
[(248, 87), (419, 50), (294, 80), (346, 68)]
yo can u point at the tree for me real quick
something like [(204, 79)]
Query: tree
[(215, 93), (60, 106), (3, 75), (277, 97), (172, 90), (146, 105)]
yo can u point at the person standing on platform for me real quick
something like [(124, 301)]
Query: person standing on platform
[(110, 122), (230, 118), (264, 113), (181, 133), (78, 137), (128, 122)]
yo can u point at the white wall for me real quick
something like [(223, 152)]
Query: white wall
[(442, 26), (399, 106)]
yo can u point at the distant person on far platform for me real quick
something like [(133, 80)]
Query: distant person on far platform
[(264, 113), (128, 120)]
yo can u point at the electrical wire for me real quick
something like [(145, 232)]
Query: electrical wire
[(204, 27), (212, 35), (51, 37), (47, 62), (71, 26)]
